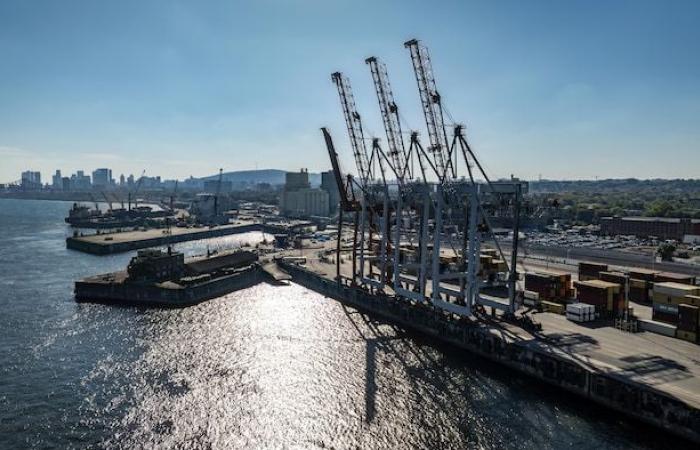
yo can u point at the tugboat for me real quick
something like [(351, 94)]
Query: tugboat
[(164, 278)]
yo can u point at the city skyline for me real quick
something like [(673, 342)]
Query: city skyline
[(182, 90)]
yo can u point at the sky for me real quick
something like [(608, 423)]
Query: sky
[(551, 89)]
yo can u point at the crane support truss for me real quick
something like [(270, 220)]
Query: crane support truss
[(425, 243)]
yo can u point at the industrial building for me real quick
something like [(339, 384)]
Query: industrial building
[(299, 199), (658, 227)]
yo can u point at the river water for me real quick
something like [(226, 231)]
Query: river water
[(266, 367)]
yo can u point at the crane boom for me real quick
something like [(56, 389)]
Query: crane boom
[(432, 107), (354, 124), (346, 203), (136, 190), (390, 117)]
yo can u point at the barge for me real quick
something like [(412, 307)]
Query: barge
[(81, 216), (164, 278)]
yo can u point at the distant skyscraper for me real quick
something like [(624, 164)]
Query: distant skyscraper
[(31, 180), (57, 181), (130, 180), (79, 181), (122, 180), (102, 178)]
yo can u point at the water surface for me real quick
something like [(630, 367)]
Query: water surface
[(266, 367)]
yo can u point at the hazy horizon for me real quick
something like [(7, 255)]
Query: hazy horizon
[(558, 90)]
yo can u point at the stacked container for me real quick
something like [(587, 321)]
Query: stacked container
[(668, 296), (641, 282), (662, 277), (580, 312), (549, 286), (590, 271), (605, 296)]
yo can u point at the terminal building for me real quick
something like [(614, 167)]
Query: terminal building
[(299, 199)]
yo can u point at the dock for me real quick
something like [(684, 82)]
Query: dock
[(653, 378), (109, 243)]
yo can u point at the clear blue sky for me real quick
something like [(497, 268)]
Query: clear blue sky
[(565, 89)]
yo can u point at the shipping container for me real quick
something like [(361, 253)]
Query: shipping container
[(642, 274), (688, 318), (605, 296), (552, 307), (693, 300), (673, 277), (580, 312), (672, 289), (689, 336), (663, 316), (657, 327), (590, 271), (549, 286), (639, 290)]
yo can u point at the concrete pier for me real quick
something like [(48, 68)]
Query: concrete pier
[(106, 244), (651, 378)]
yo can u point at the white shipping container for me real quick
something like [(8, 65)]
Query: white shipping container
[(574, 317), (532, 295), (657, 327)]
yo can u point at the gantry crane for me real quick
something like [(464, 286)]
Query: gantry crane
[(348, 203), (375, 205)]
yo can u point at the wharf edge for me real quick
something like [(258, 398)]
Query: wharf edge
[(636, 400)]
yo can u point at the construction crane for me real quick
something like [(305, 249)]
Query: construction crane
[(390, 117), (136, 191), (109, 202), (172, 197), (94, 200), (218, 190), (354, 124), (432, 108)]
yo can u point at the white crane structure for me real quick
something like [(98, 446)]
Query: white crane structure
[(426, 236)]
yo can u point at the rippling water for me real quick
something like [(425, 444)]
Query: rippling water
[(266, 367)]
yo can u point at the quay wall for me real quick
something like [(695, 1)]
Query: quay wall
[(634, 399)]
